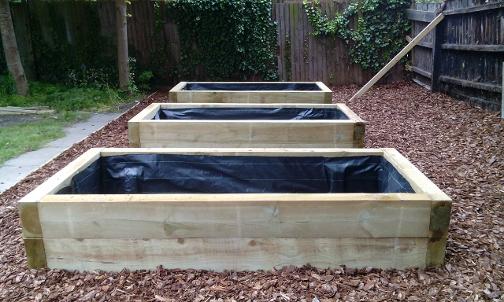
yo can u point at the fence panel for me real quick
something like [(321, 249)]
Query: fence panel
[(470, 50), (154, 41)]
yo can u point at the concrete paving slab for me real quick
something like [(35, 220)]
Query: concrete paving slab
[(18, 168)]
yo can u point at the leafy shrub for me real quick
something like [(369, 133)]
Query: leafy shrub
[(374, 29), (225, 39), (7, 85), (144, 79)]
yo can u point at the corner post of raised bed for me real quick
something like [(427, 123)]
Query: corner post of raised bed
[(440, 206), (32, 235), (135, 124), (359, 127), (439, 224), (173, 93), (359, 135), (134, 134), (32, 231), (29, 205), (327, 92)]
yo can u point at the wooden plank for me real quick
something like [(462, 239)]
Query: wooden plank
[(473, 47), (399, 56), (439, 224), (419, 82), (420, 71), (11, 110), (437, 40), (221, 254), (28, 205), (382, 217), (177, 94), (339, 106), (471, 84), (479, 8), (329, 152), (35, 252), (419, 15), (424, 44), (256, 133)]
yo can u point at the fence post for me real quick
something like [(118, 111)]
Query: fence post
[(502, 93), (437, 40)]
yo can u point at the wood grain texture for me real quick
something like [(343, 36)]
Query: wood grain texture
[(145, 132), (236, 231), (467, 61), (62, 178), (221, 254), (178, 94), (248, 134), (134, 124), (328, 152), (351, 218), (35, 252)]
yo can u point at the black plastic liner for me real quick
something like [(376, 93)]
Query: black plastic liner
[(247, 113), (265, 86), (168, 173)]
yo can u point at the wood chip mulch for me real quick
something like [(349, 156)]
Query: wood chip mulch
[(461, 148)]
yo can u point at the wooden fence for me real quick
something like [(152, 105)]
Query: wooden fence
[(153, 37), (302, 57), (464, 55)]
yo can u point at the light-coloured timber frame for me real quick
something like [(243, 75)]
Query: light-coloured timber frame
[(235, 231), (145, 132), (178, 95)]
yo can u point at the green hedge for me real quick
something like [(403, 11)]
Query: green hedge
[(225, 39)]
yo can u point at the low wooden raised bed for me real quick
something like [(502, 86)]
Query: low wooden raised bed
[(246, 125), (251, 92), (235, 209)]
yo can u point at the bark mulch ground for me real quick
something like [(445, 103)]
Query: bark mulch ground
[(461, 148)]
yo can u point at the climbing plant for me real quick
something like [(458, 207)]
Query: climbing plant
[(225, 39), (375, 30)]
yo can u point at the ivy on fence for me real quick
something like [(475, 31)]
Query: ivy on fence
[(225, 39), (375, 30)]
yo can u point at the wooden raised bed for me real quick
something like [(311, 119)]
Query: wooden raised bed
[(251, 92), (382, 212), (246, 125)]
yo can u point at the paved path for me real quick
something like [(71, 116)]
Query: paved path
[(18, 168)]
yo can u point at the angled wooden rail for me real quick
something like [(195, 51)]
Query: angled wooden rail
[(399, 56)]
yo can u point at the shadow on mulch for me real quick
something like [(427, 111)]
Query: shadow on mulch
[(461, 148)]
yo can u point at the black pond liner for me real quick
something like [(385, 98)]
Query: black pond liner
[(169, 173), (253, 86), (248, 113)]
